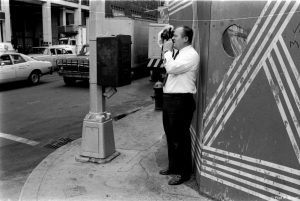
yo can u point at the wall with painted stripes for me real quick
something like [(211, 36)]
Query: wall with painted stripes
[(246, 131)]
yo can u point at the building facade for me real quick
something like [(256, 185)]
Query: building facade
[(31, 23), (40, 22)]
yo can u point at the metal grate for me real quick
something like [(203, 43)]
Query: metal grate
[(55, 144)]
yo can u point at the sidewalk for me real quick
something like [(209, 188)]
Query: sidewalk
[(132, 176)]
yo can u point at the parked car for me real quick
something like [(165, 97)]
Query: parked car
[(51, 53), (75, 67), (16, 66)]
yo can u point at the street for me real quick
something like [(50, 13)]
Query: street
[(36, 120)]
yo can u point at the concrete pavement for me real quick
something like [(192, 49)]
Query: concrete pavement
[(133, 175)]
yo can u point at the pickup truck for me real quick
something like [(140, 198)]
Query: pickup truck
[(75, 67)]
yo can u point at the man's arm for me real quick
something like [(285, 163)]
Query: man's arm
[(182, 65)]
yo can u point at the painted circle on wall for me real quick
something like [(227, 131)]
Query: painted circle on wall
[(234, 40)]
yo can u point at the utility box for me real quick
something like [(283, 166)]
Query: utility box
[(114, 60)]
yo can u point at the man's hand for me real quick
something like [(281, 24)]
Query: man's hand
[(168, 45)]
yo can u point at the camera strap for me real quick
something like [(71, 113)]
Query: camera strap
[(174, 55), (161, 52)]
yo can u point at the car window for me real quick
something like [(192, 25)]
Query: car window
[(73, 42), (27, 58), (17, 59), (69, 52), (64, 51), (52, 51), (46, 51), (5, 60), (59, 51)]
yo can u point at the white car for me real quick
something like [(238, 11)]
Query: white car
[(16, 66), (51, 53)]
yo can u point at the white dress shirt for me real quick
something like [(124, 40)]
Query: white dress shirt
[(182, 71)]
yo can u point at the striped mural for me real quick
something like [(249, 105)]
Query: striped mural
[(259, 161)]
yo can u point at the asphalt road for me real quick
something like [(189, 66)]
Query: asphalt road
[(47, 113)]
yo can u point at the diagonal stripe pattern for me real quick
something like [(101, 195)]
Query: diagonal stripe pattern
[(263, 179), (218, 116), (266, 51), (176, 6)]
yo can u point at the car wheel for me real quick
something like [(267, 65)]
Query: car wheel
[(34, 77), (69, 80)]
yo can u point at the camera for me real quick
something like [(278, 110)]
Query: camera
[(167, 34)]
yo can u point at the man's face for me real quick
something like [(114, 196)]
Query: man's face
[(178, 40)]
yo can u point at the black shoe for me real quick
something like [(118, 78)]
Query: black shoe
[(178, 179), (166, 172)]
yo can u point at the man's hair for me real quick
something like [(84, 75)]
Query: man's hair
[(188, 32)]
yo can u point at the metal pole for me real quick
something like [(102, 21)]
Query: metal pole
[(97, 133)]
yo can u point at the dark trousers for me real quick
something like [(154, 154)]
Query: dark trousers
[(177, 116)]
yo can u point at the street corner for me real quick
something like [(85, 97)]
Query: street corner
[(138, 131)]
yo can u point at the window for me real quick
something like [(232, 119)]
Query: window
[(59, 51), (5, 60), (17, 59), (52, 51), (234, 40), (69, 18), (117, 11), (73, 42), (63, 51)]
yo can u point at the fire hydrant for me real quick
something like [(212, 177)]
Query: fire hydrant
[(158, 95)]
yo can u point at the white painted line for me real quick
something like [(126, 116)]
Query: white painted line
[(232, 108), (236, 186), (258, 36), (254, 160), (285, 120), (284, 92), (257, 186), (238, 71), (222, 181), (150, 62), (18, 139), (178, 5), (157, 62), (258, 179), (175, 11), (289, 58), (262, 14), (250, 80), (196, 152), (256, 169), (173, 2)]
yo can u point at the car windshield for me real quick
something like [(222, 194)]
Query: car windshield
[(85, 51), (27, 58), (40, 50)]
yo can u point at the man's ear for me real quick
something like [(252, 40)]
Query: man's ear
[(185, 39)]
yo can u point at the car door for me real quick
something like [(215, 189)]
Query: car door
[(22, 67), (53, 56), (59, 55), (7, 69)]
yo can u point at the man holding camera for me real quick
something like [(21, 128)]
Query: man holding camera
[(179, 103)]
